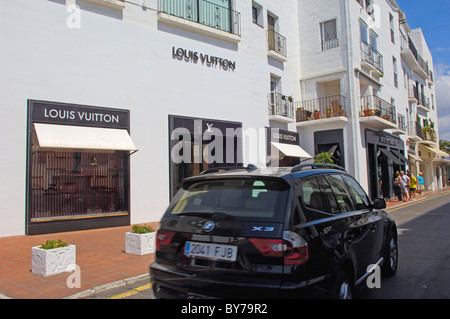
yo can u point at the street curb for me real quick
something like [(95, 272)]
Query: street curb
[(416, 201), (115, 284)]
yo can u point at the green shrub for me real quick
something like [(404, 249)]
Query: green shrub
[(51, 244), (324, 158), (141, 229)]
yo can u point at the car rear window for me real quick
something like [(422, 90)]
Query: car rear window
[(238, 198)]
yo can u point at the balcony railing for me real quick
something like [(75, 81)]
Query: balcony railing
[(401, 122), (406, 43), (372, 56), (281, 105), (413, 92), (277, 42), (372, 105), (325, 107), (428, 134), (330, 44), (423, 101), (414, 129), (203, 12)]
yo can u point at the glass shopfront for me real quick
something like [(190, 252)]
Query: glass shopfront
[(385, 155), (331, 142), (78, 167), (198, 144)]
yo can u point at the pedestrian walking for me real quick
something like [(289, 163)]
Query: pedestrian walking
[(397, 186), (420, 185), (404, 185), (412, 186)]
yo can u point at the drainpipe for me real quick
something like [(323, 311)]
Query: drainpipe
[(353, 134)]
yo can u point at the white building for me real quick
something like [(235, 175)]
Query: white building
[(88, 82), (354, 59)]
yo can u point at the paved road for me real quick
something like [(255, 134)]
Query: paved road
[(424, 256), (424, 252)]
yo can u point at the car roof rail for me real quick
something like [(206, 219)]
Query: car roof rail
[(300, 167), (249, 167)]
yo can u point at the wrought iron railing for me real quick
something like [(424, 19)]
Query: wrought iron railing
[(372, 105), (414, 129), (203, 12), (401, 123), (423, 100), (413, 92), (407, 43), (280, 104), (277, 42), (372, 56), (325, 107)]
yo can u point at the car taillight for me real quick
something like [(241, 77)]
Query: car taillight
[(163, 238), (293, 248)]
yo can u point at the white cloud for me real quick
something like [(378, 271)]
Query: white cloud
[(442, 83)]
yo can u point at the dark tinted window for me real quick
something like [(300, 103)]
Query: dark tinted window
[(329, 202), (314, 197), (310, 193), (341, 192), (262, 198), (359, 196)]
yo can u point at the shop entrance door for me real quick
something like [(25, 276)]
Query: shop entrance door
[(205, 144)]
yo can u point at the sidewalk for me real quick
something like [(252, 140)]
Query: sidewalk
[(100, 255)]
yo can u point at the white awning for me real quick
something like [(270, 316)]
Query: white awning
[(415, 158), (291, 150), (83, 137), (437, 151)]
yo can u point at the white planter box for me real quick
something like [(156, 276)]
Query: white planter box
[(47, 262), (140, 244)]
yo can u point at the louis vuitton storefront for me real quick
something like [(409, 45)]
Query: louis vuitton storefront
[(385, 155), (198, 144), (77, 167)]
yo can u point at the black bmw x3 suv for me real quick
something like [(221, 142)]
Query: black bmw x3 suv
[(304, 232)]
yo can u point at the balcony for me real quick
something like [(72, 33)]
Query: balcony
[(326, 110), (413, 93), (428, 135), (371, 59), (423, 102), (414, 131), (281, 107), (401, 125), (276, 46), (413, 59), (202, 16), (377, 113)]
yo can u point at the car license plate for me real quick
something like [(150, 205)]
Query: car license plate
[(211, 251)]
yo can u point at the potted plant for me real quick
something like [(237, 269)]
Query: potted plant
[(329, 112), (53, 257), (367, 112), (323, 158), (140, 241), (341, 111), (317, 114)]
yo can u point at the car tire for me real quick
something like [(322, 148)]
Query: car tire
[(342, 287), (390, 264)]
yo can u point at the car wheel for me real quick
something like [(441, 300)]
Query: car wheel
[(390, 264), (342, 288)]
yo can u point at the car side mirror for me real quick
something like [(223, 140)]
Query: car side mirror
[(379, 203)]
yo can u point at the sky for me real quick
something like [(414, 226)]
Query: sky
[(432, 17)]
